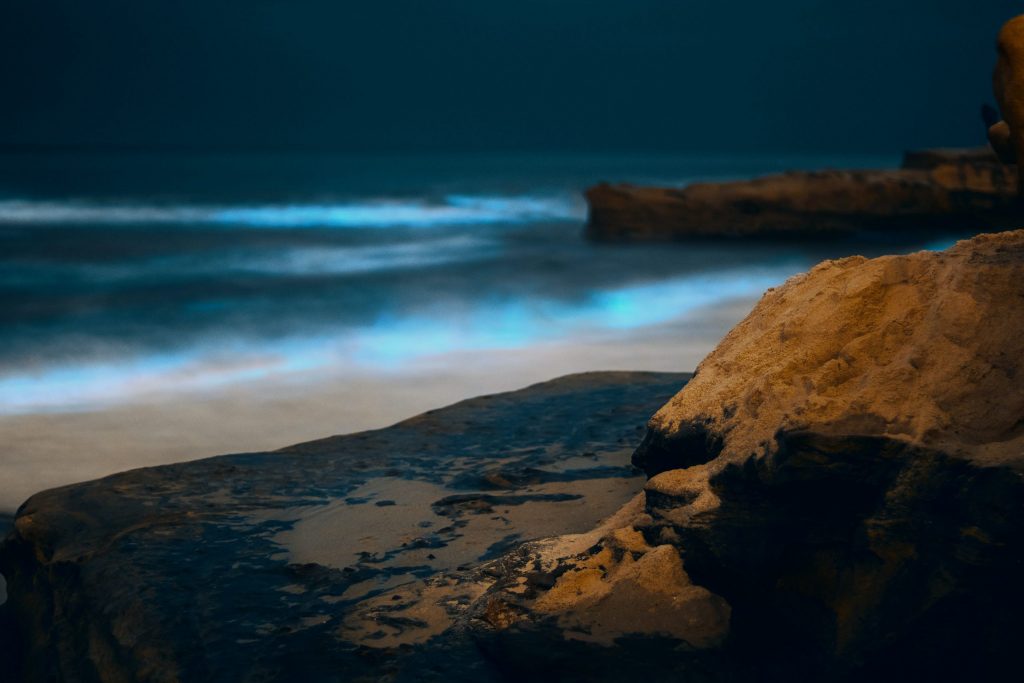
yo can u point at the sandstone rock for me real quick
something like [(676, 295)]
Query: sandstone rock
[(935, 190), (605, 605), (922, 348), (1007, 136), (845, 468)]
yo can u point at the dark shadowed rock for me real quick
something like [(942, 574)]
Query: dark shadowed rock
[(934, 191)]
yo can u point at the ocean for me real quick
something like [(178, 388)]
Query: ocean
[(161, 307)]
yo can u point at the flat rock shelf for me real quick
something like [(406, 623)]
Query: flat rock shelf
[(246, 567)]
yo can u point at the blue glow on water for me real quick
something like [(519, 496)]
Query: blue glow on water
[(286, 261), (101, 384), (391, 343), (454, 210), (520, 323), (661, 302)]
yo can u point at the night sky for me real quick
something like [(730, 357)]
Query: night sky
[(470, 75)]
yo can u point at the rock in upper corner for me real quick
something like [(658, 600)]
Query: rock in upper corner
[(933, 190)]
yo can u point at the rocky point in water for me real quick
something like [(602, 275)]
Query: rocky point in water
[(934, 190), (835, 495)]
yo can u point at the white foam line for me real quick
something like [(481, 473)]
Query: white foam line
[(454, 210), (389, 345)]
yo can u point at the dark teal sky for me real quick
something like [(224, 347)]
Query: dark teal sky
[(405, 75)]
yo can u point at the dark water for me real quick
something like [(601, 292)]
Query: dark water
[(122, 275)]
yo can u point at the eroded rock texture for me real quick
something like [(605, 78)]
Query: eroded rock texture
[(845, 468), (936, 190)]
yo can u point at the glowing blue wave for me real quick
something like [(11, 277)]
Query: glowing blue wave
[(517, 324), (391, 343), (453, 210)]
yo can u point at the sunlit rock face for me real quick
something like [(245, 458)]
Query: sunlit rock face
[(845, 468), (921, 348)]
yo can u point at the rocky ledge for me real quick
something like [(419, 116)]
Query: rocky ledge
[(835, 495), (248, 567), (934, 190)]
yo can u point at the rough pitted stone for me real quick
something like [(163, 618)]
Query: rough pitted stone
[(923, 348), (845, 468)]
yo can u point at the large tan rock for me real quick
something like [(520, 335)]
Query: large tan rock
[(1007, 136), (923, 348), (845, 467)]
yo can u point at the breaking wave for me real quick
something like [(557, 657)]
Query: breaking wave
[(452, 210)]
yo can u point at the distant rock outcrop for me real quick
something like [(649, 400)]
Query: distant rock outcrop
[(934, 190)]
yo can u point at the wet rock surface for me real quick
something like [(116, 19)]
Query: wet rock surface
[(934, 191), (258, 566)]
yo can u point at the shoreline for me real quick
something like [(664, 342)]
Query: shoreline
[(46, 450)]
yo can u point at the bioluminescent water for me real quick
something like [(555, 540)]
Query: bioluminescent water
[(163, 308)]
